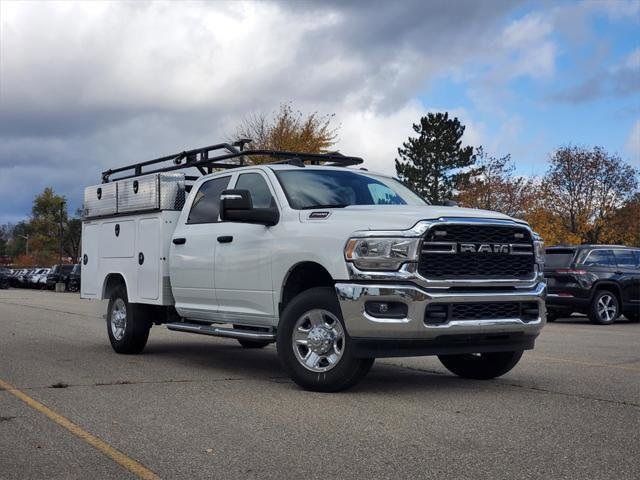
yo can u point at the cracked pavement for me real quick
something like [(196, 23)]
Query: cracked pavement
[(201, 407)]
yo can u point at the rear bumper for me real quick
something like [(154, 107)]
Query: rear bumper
[(410, 335), (565, 302)]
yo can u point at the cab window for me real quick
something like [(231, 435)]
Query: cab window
[(257, 186), (206, 205)]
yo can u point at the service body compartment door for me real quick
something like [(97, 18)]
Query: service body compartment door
[(89, 260), (148, 258), (117, 239)]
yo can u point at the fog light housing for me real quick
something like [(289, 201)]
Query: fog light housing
[(381, 309)]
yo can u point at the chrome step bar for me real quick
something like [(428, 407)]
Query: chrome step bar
[(221, 331)]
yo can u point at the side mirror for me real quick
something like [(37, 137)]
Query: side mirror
[(450, 203), (237, 206)]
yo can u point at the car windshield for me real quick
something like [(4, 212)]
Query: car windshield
[(309, 188)]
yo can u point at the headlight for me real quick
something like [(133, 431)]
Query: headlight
[(538, 248), (381, 253)]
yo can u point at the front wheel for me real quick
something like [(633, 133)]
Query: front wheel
[(128, 324), (314, 346), (481, 366)]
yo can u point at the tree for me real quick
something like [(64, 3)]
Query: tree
[(434, 162), (48, 211), (494, 187), (623, 227), (72, 238), (584, 189), (289, 130)]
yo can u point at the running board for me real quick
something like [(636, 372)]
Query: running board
[(222, 332)]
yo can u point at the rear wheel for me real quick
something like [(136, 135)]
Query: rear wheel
[(481, 366), (128, 324), (605, 308), (314, 346)]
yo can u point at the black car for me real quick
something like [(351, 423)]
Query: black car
[(73, 280), (601, 281), (59, 273), (5, 277)]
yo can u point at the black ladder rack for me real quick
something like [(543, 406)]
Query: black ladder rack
[(201, 159)]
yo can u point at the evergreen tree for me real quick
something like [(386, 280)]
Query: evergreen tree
[(435, 162)]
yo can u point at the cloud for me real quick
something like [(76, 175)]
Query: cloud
[(85, 86), (620, 81)]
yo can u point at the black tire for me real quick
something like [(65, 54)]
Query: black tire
[(604, 299), (551, 316), (137, 325), (252, 343), (346, 372), (481, 366)]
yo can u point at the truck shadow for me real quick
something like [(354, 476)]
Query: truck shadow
[(235, 362)]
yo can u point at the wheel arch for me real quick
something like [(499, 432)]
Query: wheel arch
[(607, 285), (111, 282), (301, 277)]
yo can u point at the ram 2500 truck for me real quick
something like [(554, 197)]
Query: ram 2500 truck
[(336, 265)]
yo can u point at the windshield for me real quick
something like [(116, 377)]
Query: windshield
[(307, 188)]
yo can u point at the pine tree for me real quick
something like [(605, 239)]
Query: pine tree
[(434, 162)]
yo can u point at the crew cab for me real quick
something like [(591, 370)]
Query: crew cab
[(336, 265)]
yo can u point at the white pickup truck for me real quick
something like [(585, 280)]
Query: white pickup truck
[(336, 265)]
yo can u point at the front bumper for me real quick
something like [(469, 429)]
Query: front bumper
[(374, 336)]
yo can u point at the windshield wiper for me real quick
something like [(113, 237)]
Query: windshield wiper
[(326, 205)]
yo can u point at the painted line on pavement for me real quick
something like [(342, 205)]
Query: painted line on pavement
[(117, 456)]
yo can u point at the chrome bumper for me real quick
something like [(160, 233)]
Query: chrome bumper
[(359, 324)]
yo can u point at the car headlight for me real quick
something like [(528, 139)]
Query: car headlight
[(381, 253), (538, 248)]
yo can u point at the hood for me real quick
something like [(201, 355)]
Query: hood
[(394, 217)]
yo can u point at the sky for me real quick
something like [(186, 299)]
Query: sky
[(87, 86)]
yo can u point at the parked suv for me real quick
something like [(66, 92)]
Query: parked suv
[(59, 273), (73, 281), (602, 281)]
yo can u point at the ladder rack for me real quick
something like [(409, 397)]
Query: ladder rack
[(205, 163)]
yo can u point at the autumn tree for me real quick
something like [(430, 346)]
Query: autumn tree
[(289, 129), (584, 188), (494, 186), (623, 226), (435, 161)]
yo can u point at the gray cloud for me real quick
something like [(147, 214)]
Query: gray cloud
[(86, 86)]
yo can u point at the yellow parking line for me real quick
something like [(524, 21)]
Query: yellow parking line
[(117, 456), (589, 364)]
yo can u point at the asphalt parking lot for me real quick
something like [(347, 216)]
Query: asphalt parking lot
[(201, 407)]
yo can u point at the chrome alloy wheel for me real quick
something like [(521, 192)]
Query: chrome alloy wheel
[(607, 308), (318, 340), (118, 319)]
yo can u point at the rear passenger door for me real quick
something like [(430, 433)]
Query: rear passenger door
[(628, 262), (192, 252)]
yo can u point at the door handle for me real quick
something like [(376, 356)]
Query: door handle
[(225, 239), (179, 241)]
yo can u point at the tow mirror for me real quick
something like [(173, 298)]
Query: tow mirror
[(237, 206)]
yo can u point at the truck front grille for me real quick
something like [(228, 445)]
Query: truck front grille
[(459, 251)]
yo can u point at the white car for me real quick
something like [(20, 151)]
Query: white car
[(336, 265)]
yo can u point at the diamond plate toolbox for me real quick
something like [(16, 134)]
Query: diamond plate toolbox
[(160, 191), (100, 200)]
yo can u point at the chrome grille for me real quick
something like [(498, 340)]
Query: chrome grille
[(461, 251)]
